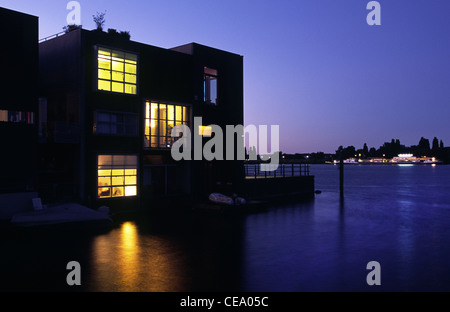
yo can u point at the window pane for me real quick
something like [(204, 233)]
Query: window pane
[(162, 111), (153, 127), (103, 128), (162, 128), (104, 181), (117, 76), (106, 52), (118, 191), (104, 85), (130, 171), (104, 192), (154, 110), (185, 114), (117, 172), (104, 63), (130, 191), (130, 161), (130, 89), (117, 180), (103, 172), (103, 117), (178, 113), (130, 68), (130, 180), (117, 87), (104, 160), (170, 112), (130, 78)]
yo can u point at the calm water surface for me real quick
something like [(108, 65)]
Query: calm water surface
[(396, 215)]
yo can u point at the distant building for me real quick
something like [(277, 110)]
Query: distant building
[(108, 106)]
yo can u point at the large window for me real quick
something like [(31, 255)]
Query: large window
[(117, 71), (117, 176), (210, 85), (160, 119), (116, 123)]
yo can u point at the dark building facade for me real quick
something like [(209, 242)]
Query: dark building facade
[(108, 106), (19, 101)]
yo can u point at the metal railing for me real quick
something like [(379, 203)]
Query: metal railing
[(256, 171), (52, 36)]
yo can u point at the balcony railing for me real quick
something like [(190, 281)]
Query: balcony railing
[(261, 171)]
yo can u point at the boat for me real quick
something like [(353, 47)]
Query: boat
[(63, 215), (219, 198)]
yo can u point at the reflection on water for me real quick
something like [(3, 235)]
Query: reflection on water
[(398, 216), (124, 260)]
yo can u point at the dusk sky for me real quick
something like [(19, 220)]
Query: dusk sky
[(314, 67)]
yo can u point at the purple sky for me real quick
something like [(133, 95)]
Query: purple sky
[(314, 67)]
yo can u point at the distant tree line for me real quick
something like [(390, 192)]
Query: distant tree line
[(393, 148)]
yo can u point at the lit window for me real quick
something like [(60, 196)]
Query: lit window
[(205, 131), (117, 71), (115, 123), (160, 119), (17, 117), (117, 176), (210, 85)]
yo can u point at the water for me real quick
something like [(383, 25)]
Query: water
[(396, 215)]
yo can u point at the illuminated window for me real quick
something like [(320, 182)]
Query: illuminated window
[(160, 119), (210, 85), (117, 71), (205, 131), (116, 123), (117, 176), (17, 117)]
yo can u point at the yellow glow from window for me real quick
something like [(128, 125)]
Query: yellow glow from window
[(117, 87), (170, 112), (130, 89), (205, 130), (117, 71), (117, 180), (116, 172), (104, 173), (104, 85), (130, 78), (117, 76), (154, 110), (104, 192), (104, 181), (130, 172), (130, 191), (118, 191), (178, 113), (104, 74)]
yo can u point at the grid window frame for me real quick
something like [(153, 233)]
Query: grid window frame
[(117, 71), (119, 123), (117, 178), (160, 119)]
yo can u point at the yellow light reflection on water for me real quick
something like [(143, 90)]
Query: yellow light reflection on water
[(126, 260), (129, 254)]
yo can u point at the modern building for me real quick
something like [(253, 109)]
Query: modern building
[(19, 101), (107, 108)]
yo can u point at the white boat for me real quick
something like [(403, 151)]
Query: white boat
[(226, 200), (63, 214)]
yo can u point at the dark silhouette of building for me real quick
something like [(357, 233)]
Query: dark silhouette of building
[(108, 106), (19, 100)]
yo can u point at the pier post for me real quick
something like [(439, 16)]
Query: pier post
[(341, 175)]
